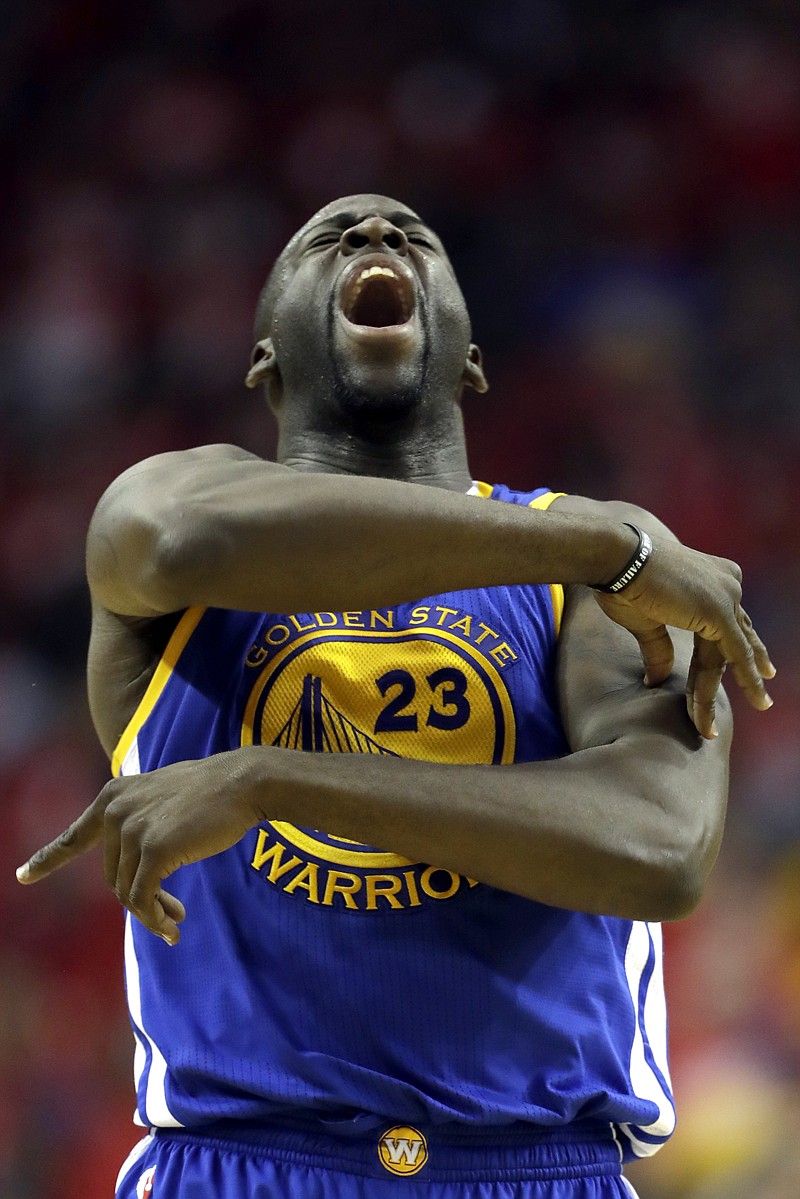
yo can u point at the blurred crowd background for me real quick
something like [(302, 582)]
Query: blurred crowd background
[(619, 187)]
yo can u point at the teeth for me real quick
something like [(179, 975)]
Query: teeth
[(377, 270), (370, 272)]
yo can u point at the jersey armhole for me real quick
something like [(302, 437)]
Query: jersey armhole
[(169, 660), (542, 503)]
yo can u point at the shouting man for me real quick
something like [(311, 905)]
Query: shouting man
[(423, 958)]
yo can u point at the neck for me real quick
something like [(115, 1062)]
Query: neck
[(433, 454)]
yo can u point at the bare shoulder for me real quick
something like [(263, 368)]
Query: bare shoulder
[(158, 468), (144, 511), (153, 478), (129, 633)]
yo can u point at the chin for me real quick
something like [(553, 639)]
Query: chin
[(378, 404)]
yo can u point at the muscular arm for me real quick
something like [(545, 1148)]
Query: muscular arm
[(220, 527), (627, 824), (217, 526)]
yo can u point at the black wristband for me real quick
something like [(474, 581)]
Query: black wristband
[(643, 551)]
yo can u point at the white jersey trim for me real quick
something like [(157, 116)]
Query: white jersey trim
[(650, 1031), (157, 1110), (130, 763), (655, 1008), (138, 1151)]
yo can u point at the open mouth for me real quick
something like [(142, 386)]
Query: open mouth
[(378, 296)]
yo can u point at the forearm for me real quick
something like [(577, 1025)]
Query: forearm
[(247, 535), (343, 543), (578, 832), (629, 827)]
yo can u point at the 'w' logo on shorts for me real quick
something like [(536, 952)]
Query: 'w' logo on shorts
[(403, 1150)]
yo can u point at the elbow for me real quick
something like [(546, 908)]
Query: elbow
[(668, 890), (689, 882), (663, 891), (679, 875), (675, 820), (171, 560), (677, 897)]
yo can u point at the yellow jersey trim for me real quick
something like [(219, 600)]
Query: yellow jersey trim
[(169, 660), (542, 503)]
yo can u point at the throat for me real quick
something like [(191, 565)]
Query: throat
[(410, 434), (412, 460)]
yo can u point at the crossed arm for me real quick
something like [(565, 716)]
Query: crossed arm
[(220, 527), (627, 824)]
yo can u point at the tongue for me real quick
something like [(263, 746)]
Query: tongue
[(378, 304)]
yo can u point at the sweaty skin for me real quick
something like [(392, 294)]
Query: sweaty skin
[(370, 487)]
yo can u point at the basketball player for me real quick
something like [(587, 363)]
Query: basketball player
[(423, 958)]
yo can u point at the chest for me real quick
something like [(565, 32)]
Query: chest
[(459, 678)]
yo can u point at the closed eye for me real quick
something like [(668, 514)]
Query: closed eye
[(418, 239), (325, 239)]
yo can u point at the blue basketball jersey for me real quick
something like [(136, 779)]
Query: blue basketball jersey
[(327, 979)]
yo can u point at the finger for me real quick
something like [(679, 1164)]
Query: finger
[(658, 654), (764, 665), (738, 651), (123, 886), (128, 863), (172, 906), (705, 675), (171, 911), (83, 834), (146, 904)]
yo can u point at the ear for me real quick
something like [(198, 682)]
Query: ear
[(473, 375), (263, 365)]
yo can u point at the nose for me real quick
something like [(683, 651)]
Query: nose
[(374, 232)]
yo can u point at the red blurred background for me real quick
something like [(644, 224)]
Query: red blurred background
[(619, 187)]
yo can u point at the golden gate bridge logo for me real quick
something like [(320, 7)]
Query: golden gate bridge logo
[(316, 725)]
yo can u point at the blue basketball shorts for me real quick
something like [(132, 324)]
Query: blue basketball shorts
[(237, 1161)]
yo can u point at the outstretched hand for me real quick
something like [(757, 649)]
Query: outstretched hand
[(690, 590), (149, 825)]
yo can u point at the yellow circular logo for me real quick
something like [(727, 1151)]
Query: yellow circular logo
[(354, 683), (415, 693), (403, 1150)]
